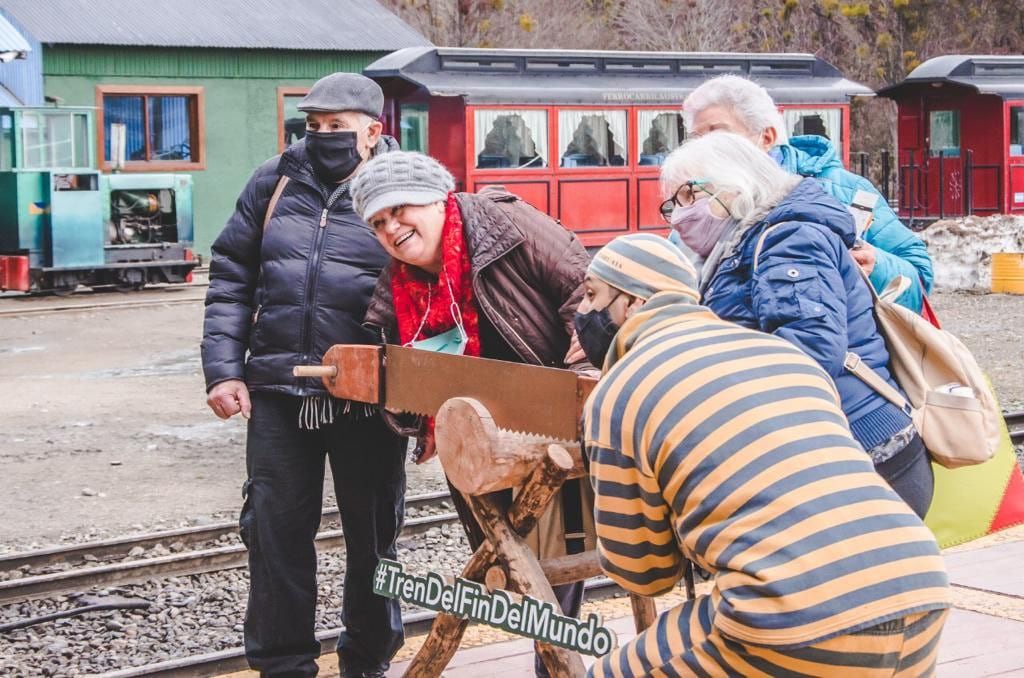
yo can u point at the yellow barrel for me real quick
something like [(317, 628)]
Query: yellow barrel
[(1008, 272)]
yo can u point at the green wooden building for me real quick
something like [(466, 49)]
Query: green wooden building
[(207, 87)]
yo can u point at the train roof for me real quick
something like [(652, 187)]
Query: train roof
[(984, 73), (540, 76)]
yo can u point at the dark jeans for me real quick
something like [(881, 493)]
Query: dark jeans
[(909, 473), (570, 599), (280, 518)]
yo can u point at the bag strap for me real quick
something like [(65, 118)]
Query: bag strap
[(854, 364), (760, 244), (281, 183)]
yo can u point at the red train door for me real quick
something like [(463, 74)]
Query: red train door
[(943, 174), (1015, 156)]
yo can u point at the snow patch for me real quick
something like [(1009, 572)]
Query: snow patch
[(962, 249)]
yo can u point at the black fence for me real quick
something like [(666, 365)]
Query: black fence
[(906, 186)]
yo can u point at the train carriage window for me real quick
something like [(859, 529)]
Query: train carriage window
[(510, 139), (658, 134), (413, 124), (822, 122), (944, 134), (163, 125), (6, 141), (1017, 131), (592, 138)]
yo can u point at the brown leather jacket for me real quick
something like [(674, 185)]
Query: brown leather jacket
[(527, 276)]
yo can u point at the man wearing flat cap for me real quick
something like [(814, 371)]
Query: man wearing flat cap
[(291, 274)]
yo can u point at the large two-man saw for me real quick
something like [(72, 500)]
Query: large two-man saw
[(523, 398)]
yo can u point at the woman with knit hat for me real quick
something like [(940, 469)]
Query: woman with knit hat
[(481, 275), (727, 446)]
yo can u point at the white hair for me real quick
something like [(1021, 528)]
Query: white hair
[(750, 102), (730, 164)]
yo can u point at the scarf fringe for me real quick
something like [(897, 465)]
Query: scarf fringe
[(318, 411)]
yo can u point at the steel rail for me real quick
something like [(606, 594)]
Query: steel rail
[(97, 306), (232, 660), (174, 565), (1015, 423), (119, 547)]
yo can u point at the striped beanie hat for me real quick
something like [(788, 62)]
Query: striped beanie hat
[(642, 265)]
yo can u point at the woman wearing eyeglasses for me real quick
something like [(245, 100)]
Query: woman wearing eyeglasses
[(774, 255), (481, 275)]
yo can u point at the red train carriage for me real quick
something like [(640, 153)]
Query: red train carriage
[(581, 134), (961, 136)]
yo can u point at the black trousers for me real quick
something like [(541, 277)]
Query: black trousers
[(280, 518)]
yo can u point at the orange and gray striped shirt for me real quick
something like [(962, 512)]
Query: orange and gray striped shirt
[(729, 447)]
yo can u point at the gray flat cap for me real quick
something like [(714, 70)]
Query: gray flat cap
[(344, 92)]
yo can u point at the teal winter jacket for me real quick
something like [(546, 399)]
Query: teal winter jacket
[(898, 251)]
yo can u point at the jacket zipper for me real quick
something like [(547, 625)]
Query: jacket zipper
[(493, 314), (314, 277)]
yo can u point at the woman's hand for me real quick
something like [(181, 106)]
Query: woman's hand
[(864, 255), (575, 354), (425, 449)]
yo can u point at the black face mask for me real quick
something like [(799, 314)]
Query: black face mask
[(333, 155), (595, 331)]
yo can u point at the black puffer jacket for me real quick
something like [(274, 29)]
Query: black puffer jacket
[(287, 294)]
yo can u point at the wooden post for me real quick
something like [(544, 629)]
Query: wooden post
[(526, 577), (446, 633), (644, 611)]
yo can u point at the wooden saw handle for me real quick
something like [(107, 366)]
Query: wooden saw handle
[(328, 371)]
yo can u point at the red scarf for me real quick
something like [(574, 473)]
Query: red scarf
[(417, 293)]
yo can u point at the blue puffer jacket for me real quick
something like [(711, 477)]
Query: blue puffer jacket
[(898, 251), (282, 297), (807, 289)]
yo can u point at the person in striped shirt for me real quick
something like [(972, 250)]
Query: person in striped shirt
[(728, 447)]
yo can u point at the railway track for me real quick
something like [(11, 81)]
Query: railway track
[(84, 303), (178, 564), (232, 660)]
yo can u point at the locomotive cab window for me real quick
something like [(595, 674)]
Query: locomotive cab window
[(944, 134), (658, 134), (413, 123), (6, 141), (1017, 131), (163, 125), (510, 139), (822, 122), (57, 139), (591, 138)]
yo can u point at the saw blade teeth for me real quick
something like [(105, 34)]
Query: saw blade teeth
[(532, 436)]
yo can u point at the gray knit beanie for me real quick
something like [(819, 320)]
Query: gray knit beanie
[(399, 178)]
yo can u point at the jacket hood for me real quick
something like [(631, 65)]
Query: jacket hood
[(810, 203), (662, 311), (808, 155)]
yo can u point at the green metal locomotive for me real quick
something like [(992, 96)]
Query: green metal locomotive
[(63, 223)]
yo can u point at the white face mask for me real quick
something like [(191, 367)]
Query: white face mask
[(697, 225)]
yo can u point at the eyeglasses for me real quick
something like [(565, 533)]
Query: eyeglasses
[(683, 197)]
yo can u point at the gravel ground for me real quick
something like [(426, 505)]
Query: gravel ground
[(187, 616), (108, 434)]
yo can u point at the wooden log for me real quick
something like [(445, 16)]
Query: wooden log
[(644, 611), (525, 576), (446, 632), (479, 458), (571, 568), (495, 579)]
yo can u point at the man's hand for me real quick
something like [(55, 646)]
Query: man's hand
[(429, 449), (228, 398), (864, 255)]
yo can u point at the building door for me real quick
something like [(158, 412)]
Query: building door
[(1016, 157)]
